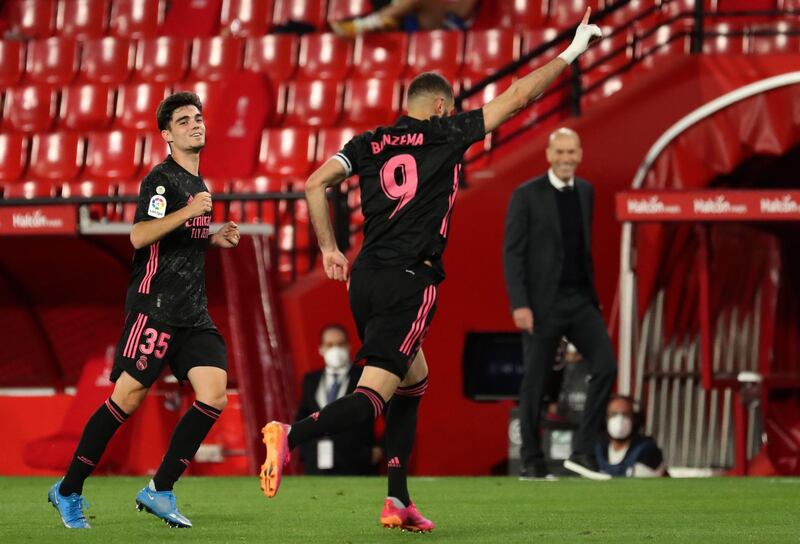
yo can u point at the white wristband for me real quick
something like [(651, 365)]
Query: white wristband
[(570, 54)]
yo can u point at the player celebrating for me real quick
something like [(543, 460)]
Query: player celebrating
[(167, 319), (409, 175)]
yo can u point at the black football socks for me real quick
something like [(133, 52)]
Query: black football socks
[(401, 428)]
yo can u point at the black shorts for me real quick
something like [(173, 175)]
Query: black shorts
[(147, 345), (392, 309)]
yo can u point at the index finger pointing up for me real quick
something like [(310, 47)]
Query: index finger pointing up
[(586, 16)]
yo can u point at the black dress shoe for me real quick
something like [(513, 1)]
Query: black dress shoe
[(586, 466), (536, 471)]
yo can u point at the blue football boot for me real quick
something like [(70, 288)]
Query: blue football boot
[(162, 504), (69, 508)]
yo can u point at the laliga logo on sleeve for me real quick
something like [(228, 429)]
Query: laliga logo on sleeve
[(158, 207)]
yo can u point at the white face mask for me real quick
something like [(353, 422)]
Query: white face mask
[(619, 427), (336, 358)]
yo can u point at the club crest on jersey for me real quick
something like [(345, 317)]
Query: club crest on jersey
[(141, 364), (158, 207)]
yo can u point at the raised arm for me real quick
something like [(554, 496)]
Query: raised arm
[(524, 91), (333, 261)]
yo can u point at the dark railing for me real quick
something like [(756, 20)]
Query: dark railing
[(571, 104)]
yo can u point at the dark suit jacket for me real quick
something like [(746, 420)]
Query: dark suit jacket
[(352, 449), (533, 250)]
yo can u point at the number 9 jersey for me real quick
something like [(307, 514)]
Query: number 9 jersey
[(409, 175)]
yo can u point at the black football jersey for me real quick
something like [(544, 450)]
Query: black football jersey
[(409, 175), (168, 282)]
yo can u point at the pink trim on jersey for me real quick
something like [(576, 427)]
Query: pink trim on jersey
[(115, 413), (418, 326), (377, 402), (133, 338), (203, 411), (152, 268), (446, 220)]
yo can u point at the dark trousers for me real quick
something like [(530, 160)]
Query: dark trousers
[(575, 316)]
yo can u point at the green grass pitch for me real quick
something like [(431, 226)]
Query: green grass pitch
[(481, 510)]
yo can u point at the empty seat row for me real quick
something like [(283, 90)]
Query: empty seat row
[(287, 153)]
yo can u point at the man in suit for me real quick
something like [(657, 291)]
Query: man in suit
[(550, 281), (354, 451)]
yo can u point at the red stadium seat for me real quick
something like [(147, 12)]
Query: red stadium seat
[(524, 14), (274, 55), (136, 18), (82, 18), (438, 50), (666, 41), (30, 108), (307, 11), (371, 102), (287, 152), (347, 9), (88, 188), (773, 38), (723, 39), (137, 103), (163, 59), (215, 58), (209, 92), (56, 156), (568, 13), (324, 56), (54, 61), (531, 39), (311, 103), (485, 95), (380, 54), (32, 189), (13, 155), (489, 50), (32, 18), (87, 107), (107, 60), (331, 140), (155, 151), (115, 154), (12, 62), (246, 18), (606, 57), (258, 212)]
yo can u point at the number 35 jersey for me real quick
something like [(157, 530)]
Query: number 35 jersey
[(409, 175)]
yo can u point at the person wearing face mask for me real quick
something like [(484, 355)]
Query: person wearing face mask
[(627, 452), (550, 282), (353, 452)]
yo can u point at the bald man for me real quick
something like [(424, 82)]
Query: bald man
[(550, 283)]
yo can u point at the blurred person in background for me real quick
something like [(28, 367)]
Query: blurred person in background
[(626, 451), (550, 281), (409, 16), (353, 451)]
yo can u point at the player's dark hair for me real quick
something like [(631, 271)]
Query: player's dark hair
[(333, 327), (430, 83), (172, 103), (630, 400)]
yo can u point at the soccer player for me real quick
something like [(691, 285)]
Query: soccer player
[(409, 175), (167, 319)]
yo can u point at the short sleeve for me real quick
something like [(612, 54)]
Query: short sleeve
[(651, 456), (349, 155), (466, 127), (154, 198)]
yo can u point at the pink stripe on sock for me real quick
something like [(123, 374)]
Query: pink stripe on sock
[(204, 411), (114, 413), (83, 459), (415, 391), (377, 402)]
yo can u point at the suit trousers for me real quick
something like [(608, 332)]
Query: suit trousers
[(573, 315)]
